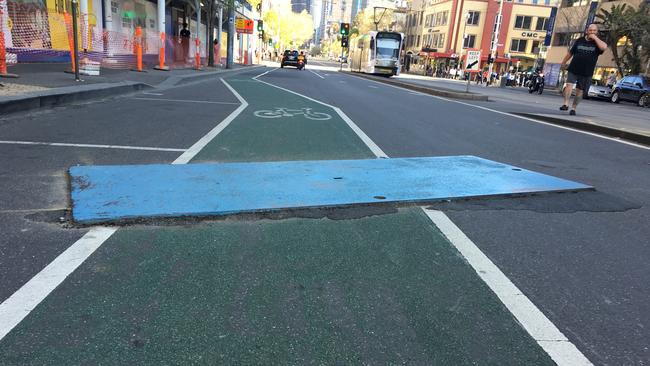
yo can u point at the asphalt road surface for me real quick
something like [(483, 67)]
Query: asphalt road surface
[(521, 280)]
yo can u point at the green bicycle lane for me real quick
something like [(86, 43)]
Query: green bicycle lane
[(375, 289)]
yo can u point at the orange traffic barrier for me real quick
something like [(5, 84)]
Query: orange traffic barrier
[(137, 48), (3, 52), (68, 26), (161, 54), (197, 57)]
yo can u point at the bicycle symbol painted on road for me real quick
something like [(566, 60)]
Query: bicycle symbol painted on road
[(286, 112)]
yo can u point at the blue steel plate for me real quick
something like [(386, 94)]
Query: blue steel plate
[(109, 193)]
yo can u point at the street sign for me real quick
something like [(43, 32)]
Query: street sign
[(473, 60), (244, 25)]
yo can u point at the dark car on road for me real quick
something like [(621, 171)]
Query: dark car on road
[(633, 88), (289, 58)]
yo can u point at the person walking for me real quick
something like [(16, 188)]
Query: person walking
[(584, 55)]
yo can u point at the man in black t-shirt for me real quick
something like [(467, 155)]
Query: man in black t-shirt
[(585, 52)]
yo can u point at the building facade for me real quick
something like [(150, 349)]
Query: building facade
[(441, 31)]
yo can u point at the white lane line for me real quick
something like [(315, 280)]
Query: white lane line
[(315, 73), (540, 328), (184, 100), (517, 116), (14, 309), (545, 333), (264, 73), (373, 87), (371, 144), (194, 149), (149, 93), (122, 147)]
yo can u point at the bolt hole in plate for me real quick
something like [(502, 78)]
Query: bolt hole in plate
[(379, 197), (516, 169), (338, 177)]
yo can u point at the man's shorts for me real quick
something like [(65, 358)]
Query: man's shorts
[(582, 82)]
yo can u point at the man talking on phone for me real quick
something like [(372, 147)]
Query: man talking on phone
[(585, 52)]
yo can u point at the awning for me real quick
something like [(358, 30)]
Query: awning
[(436, 54)]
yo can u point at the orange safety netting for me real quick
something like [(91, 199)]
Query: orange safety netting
[(33, 33)]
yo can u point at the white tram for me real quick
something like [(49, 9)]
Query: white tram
[(376, 52)]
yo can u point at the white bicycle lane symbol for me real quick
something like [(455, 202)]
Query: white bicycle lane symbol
[(286, 112)]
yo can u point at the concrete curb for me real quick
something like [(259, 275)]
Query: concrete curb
[(422, 89), (68, 94), (590, 127)]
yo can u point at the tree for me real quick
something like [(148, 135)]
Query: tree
[(627, 35), (286, 28)]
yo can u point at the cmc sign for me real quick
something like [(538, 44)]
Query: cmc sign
[(532, 34), (244, 25)]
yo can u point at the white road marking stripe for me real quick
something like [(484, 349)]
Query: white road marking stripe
[(194, 149), (371, 144), (184, 100), (540, 328), (551, 339), (14, 309), (122, 147), (315, 73), (149, 93), (264, 73), (373, 87), (517, 116)]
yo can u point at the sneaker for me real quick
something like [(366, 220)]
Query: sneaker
[(564, 108), (572, 112)]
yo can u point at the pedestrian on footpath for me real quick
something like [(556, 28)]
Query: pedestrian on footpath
[(584, 54)]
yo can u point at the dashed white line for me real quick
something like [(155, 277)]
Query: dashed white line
[(121, 147), (315, 73)]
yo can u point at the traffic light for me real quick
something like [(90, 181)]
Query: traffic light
[(490, 59), (261, 35), (345, 29), (260, 25), (344, 41)]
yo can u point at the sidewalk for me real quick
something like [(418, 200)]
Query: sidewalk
[(47, 84), (624, 120)]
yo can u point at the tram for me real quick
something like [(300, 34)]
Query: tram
[(377, 52)]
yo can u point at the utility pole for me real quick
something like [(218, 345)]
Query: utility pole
[(495, 40), (231, 33)]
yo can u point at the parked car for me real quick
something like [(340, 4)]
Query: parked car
[(598, 91), (633, 88)]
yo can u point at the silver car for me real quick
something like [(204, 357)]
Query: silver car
[(597, 91)]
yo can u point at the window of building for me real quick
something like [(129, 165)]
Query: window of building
[(418, 44), (534, 2), (518, 45), (547, 2), (542, 24), (535, 47), (523, 22), (469, 41), (473, 17)]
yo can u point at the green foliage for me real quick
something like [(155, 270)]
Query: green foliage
[(286, 28), (628, 35)]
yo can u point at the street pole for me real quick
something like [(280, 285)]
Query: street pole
[(219, 30), (462, 48), (231, 34), (495, 41), (75, 40)]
